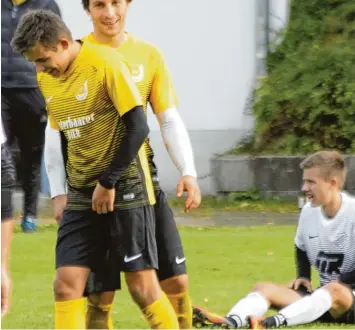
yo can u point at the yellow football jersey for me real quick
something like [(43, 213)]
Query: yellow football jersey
[(87, 104), (153, 79)]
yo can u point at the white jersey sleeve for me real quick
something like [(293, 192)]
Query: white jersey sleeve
[(299, 238)]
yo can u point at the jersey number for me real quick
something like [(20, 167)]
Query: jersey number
[(329, 263)]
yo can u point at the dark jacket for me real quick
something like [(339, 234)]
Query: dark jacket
[(16, 71)]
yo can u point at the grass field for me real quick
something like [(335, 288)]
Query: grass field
[(223, 264), (211, 204)]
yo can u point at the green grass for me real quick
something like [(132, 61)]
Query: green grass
[(211, 204), (223, 265)]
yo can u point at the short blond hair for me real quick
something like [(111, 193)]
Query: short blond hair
[(330, 162)]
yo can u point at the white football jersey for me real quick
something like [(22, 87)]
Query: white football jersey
[(329, 243)]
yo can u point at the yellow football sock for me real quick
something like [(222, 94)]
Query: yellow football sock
[(99, 317), (70, 314), (183, 308), (160, 314)]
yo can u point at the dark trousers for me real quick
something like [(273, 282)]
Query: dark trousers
[(24, 117)]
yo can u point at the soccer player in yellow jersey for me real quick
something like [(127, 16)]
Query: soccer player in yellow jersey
[(93, 100), (154, 82)]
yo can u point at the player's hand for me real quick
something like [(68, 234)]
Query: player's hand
[(296, 284), (59, 204), (5, 291), (103, 199), (189, 184)]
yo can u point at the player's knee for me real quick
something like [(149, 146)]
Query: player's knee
[(141, 295), (341, 295), (66, 288), (63, 290), (143, 287), (262, 287), (101, 298), (175, 285)]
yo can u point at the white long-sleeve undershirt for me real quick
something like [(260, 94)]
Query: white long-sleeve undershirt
[(54, 162), (177, 141)]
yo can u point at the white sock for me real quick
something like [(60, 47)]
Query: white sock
[(308, 309), (254, 304)]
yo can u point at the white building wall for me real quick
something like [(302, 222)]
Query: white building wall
[(210, 47)]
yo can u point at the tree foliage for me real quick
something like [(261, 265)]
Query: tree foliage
[(307, 102)]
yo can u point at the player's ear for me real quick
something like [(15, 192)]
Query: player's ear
[(64, 43), (334, 181)]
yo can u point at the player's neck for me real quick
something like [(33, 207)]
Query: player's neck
[(74, 52), (115, 41), (331, 209)]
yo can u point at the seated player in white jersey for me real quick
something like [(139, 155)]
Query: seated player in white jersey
[(325, 239)]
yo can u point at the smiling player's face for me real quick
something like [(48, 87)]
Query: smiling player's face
[(318, 189), (108, 16)]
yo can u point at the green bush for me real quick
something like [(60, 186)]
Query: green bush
[(307, 102)]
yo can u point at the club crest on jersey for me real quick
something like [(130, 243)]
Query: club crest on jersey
[(83, 92), (48, 99), (137, 71), (339, 240)]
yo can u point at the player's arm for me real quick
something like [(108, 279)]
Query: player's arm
[(348, 278), (137, 131), (54, 157), (54, 162), (174, 133), (177, 141), (54, 149), (173, 130), (126, 98), (303, 266), (7, 226)]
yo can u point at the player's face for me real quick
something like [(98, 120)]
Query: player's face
[(318, 189), (52, 61), (108, 16)]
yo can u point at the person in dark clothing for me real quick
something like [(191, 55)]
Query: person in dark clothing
[(22, 105)]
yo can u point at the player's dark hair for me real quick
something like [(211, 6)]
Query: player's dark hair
[(86, 3), (41, 26), (330, 162)]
